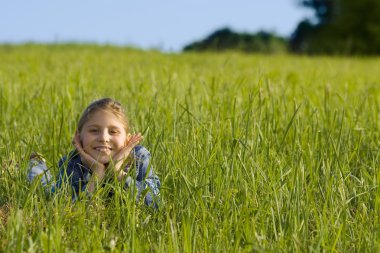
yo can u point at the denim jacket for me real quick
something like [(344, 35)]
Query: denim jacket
[(73, 172)]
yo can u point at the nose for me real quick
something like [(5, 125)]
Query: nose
[(104, 136)]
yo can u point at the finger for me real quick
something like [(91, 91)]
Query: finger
[(131, 145), (135, 139), (80, 149), (122, 154), (126, 150)]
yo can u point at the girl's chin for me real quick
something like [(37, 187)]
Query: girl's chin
[(104, 159)]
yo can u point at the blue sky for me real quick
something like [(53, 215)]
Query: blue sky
[(168, 24)]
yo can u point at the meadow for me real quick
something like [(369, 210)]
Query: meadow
[(255, 153)]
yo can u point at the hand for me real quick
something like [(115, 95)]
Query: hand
[(96, 167), (124, 153)]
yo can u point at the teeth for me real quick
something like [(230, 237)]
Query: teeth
[(102, 149)]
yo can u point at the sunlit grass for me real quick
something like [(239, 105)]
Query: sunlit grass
[(254, 152)]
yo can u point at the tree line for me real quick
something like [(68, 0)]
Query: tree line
[(342, 27)]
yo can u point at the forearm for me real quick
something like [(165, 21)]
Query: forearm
[(121, 175), (148, 188), (94, 181), (153, 182)]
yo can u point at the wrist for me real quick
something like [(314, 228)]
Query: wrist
[(94, 181), (98, 174), (121, 175)]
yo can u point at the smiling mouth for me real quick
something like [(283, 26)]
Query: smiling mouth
[(103, 149)]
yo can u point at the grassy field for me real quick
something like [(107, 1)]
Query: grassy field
[(255, 153)]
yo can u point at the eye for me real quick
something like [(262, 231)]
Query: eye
[(93, 130), (114, 131)]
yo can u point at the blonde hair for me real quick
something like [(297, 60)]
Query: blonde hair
[(104, 104)]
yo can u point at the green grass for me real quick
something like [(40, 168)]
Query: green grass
[(255, 153)]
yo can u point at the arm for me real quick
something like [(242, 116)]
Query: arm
[(37, 168), (69, 174), (72, 175), (146, 180), (98, 169)]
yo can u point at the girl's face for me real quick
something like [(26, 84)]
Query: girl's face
[(102, 136)]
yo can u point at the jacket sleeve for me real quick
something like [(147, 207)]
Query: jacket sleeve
[(147, 182), (70, 175), (37, 169)]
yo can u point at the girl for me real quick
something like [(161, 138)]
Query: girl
[(103, 147)]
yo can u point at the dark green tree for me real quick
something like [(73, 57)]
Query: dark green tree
[(341, 27), (226, 39), (324, 9)]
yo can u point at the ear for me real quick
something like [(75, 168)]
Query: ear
[(78, 136), (129, 136)]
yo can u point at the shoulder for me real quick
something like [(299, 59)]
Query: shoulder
[(141, 152), (141, 156), (69, 161)]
